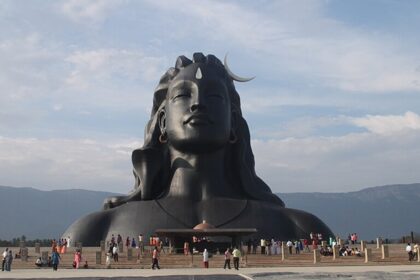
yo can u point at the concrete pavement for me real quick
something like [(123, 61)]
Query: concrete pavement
[(390, 271)]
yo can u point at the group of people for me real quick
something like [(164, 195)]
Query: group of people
[(346, 251), (412, 251), (6, 263), (268, 247), (273, 247), (112, 253), (60, 246), (236, 253), (229, 253), (352, 238), (343, 251), (55, 258), (116, 242)]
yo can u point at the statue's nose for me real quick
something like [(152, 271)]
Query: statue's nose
[(197, 106), (198, 102)]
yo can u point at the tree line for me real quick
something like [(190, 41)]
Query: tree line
[(15, 242)]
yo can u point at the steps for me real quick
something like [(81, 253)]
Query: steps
[(396, 251)]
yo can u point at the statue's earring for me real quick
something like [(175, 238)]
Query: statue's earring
[(163, 138), (233, 138)]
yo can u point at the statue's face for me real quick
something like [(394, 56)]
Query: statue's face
[(197, 116)]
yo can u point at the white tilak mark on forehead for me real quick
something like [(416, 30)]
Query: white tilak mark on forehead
[(198, 74)]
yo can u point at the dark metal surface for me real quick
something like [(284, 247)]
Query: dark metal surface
[(196, 164)]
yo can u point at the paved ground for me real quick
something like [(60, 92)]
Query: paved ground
[(319, 272)]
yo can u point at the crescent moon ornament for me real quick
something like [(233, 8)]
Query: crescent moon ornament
[(233, 76)]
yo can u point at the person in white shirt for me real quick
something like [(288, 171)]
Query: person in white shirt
[(236, 256), (206, 258), (409, 252), (141, 245), (115, 253), (3, 263), (289, 245)]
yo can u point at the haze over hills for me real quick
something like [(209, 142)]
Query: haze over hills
[(44, 214), (389, 211)]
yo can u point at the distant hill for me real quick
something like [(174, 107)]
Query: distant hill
[(390, 211), (43, 214)]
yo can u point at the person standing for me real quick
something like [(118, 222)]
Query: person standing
[(64, 248), (262, 244), (290, 245), (108, 260), (416, 251), (127, 242), (155, 258), (77, 259), (53, 245), (4, 255), (249, 244), (306, 244), (141, 246), (297, 247), (186, 248), (409, 251), (227, 258), (236, 255), (115, 253), (254, 245), (55, 259), (8, 262), (206, 258)]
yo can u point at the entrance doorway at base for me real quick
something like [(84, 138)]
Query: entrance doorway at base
[(214, 240)]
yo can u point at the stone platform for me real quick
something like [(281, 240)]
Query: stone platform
[(262, 267)]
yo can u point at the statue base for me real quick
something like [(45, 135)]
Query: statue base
[(144, 217)]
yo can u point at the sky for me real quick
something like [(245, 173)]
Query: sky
[(334, 107)]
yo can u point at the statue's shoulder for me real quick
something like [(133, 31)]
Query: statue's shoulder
[(90, 228)]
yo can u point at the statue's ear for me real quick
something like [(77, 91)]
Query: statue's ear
[(234, 120), (233, 137), (162, 120)]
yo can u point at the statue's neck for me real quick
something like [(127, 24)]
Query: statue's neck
[(199, 176)]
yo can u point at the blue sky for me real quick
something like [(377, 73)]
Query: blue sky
[(334, 106)]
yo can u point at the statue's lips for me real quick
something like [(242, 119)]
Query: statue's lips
[(198, 119)]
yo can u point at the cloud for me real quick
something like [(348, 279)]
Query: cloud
[(93, 67), (312, 163), (389, 124), (318, 50), (59, 78), (57, 107), (28, 65), (88, 12), (336, 164), (63, 163)]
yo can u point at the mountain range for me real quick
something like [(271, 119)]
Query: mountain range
[(387, 211)]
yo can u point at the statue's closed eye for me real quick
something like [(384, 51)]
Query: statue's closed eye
[(182, 94), (215, 96)]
